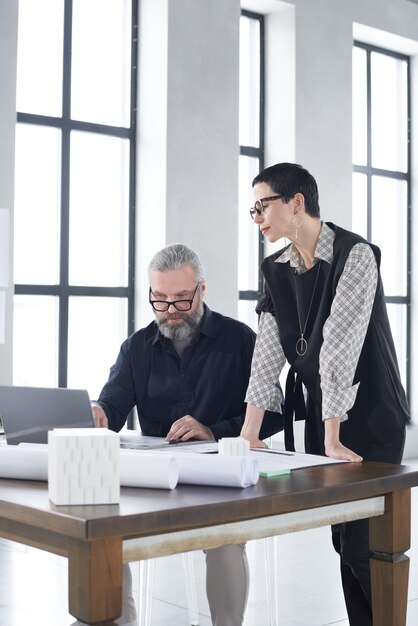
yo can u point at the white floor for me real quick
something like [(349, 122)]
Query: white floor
[(33, 584)]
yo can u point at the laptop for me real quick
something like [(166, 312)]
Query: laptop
[(28, 413)]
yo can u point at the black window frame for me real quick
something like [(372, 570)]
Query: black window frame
[(371, 171), (63, 290), (258, 153)]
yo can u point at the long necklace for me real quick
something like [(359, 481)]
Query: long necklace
[(302, 343)]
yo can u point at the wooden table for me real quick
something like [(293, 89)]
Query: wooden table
[(149, 522)]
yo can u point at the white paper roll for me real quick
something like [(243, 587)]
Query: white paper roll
[(30, 462), (217, 470), (25, 462), (159, 471)]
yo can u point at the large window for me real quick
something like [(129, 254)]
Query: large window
[(381, 178), (251, 137), (74, 190)]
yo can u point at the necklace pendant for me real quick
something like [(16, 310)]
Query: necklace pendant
[(301, 346)]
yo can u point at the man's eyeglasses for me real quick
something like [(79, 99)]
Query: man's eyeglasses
[(163, 305), (259, 208)]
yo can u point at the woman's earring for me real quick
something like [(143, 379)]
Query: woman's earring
[(297, 224)]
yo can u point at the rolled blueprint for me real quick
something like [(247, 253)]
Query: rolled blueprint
[(158, 471), (30, 462), (216, 469), (27, 462)]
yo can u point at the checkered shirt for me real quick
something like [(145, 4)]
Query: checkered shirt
[(343, 333)]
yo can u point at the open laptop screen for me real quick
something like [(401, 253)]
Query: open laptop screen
[(27, 413)]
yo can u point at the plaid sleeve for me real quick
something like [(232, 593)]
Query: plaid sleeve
[(268, 361), (265, 303), (345, 330)]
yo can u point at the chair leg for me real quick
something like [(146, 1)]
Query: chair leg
[(146, 589), (271, 558), (189, 575)]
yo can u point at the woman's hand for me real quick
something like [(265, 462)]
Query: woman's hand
[(251, 427), (255, 442), (340, 452), (333, 446)]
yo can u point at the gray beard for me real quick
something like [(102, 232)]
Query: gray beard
[(187, 330)]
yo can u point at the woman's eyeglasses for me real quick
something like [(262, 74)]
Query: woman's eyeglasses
[(259, 207)]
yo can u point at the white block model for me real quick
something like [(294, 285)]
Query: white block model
[(234, 446), (83, 466)]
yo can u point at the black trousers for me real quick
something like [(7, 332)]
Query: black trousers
[(351, 541)]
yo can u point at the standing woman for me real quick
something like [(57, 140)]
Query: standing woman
[(323, 311)]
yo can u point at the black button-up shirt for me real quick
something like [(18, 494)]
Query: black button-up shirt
[(208, 382)]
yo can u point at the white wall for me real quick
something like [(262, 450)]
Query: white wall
[(188, 179), (308, 113), (8, 48)]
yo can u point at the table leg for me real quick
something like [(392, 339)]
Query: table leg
[(389, 539), (95, 580)]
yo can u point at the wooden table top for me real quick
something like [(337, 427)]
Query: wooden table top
[(144, 512)]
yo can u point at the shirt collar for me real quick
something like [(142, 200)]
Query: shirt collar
[(324, 249), (206, 327)]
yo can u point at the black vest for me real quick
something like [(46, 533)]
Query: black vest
[(380, 409)]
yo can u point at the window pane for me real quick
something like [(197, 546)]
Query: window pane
[(248, 234), (397, 319), (389, 231), (35, 343), (39, 57), (247, 314), (359, 216), (249, 82), (389, 112), (99, 207), (101, 49), (359, 106), (96, 329), (37, 205)]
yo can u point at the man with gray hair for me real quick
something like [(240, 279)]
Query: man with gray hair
[(187, 373)]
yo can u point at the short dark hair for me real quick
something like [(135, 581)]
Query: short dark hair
[(287, 179)]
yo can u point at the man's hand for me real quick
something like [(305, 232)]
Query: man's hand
[(333, 446), (99, 416), (186, 428)]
